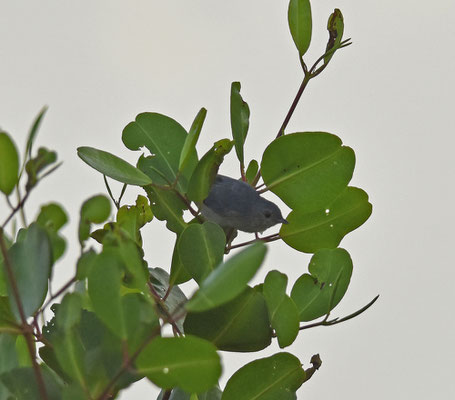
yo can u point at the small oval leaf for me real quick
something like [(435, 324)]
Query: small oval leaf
[(9, 164), (113, 167), (300, 24)]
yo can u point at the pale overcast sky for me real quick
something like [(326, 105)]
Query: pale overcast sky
[(389, 96)]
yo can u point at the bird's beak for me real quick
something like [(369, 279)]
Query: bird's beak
[(283, 221)]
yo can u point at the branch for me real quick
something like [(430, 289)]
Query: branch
[(335, 321), (25, 327), (270, 238)]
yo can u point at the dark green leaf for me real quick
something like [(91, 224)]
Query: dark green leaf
[(206, 170), (314, 294), (9, 164), (335, 26), (113, 167), (239, 325), (132, 218), (307, 170), (73, 392), (167, 206), (190, 142), (94, 210), (240, 115), (35, 165), (229, 279), (271, 378), (300, 24), (9, 359), (187, 362), (85, 263), (311, 231), (251, 171), (201, 249), (164, 138), (31, 261), (283, 312), (178, 272)]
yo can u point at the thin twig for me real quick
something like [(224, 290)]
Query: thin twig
[(16, 209), (25, 327), (61, 290), (270, 238)]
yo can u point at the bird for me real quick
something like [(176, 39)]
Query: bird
[(234, 204)]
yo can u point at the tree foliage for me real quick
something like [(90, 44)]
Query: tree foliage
[(107, 326)]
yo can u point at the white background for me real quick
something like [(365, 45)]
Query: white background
[(389, 96)]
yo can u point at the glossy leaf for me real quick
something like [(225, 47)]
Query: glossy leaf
[(314, 294), (251, 171), (201, 249), (94, 210), (229, 279), (206, 170), (335, 26), (307, 170), (31, 261), (167, 206), (311, 231), (188, 362), (113, 167), (300, 24), (164, 138), (193, 135), (283, 312), (271, 378), (240, 115), (242, 324), (9, 164)]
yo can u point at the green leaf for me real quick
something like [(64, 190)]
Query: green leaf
[(34, 166), (307, 170), (104, 281), (283, 312), (251, 171), (167, 206), (271, 378), (311, 231), (242, 324), (7, 320), (94, 210), (205, 173), (9, 164), (187, 362), (9, 359), (52, 218), (164, 138), (229, 279), (21, 382), (178, 394), (201, 249), (300, 24), (190, 142), (33, 132), (240, 115), (335, 26), (69, 312), (31, 261), (113, 167), (178, 272), (313, 294)]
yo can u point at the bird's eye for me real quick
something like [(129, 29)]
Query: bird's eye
[(267, 214)]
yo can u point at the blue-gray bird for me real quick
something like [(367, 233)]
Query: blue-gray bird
[(234, 204)]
